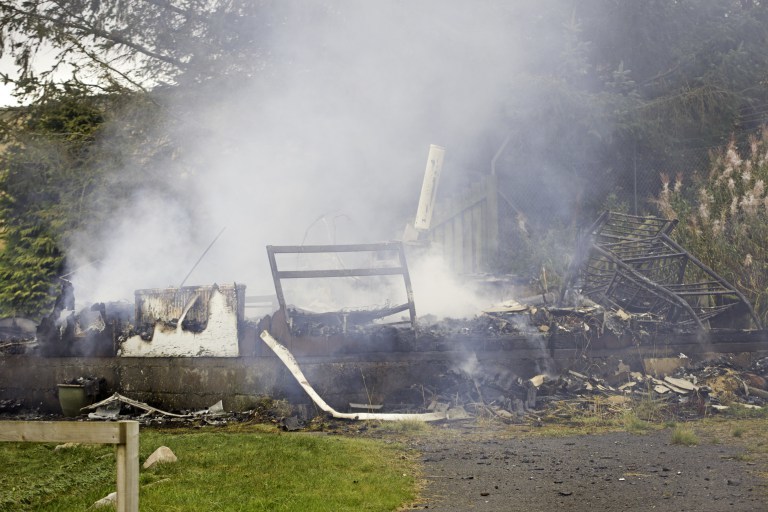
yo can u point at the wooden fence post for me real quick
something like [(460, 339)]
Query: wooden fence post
[(128, 467), (123, 434)]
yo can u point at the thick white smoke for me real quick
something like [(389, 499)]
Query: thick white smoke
[(327, 145)]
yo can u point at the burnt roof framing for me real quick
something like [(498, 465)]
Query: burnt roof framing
[(630, 262), (401, 269)]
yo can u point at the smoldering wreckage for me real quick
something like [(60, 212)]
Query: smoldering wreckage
[(638, 317), (644, 322)]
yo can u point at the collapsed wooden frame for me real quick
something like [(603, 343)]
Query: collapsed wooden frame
[(400, 269), (630, 262)]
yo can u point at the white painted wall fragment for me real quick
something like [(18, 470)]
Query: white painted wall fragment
[(219, 338)]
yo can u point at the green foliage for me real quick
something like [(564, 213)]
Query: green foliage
[(60, 178), (42, 171), (653, 82), (114, 46), (29, 264), (724, 217)]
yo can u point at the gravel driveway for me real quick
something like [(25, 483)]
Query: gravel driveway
[(470, 470)]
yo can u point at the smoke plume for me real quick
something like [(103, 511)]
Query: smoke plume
[(327, 145)]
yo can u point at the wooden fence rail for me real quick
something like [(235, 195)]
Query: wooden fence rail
[(123, 434)]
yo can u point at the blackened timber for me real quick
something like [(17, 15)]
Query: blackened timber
[(646, 283), (312, 249), (711, 273), (343, 272), (393, 270), (275, 278), (631, 262), (642, 259)]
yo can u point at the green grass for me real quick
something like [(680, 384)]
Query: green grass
[(216, 471), (634, 424), (402, 427), (684, 435)]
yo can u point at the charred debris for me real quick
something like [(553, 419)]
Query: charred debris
[(628, 284), (632, 295)]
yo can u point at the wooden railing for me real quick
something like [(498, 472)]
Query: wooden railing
[(123, 434)]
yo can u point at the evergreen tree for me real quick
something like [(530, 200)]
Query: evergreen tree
[(41, 171)]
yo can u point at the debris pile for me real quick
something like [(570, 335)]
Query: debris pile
[(10, 406), (694, 390), (16, 334), (91, 331), (689, 391), (465, 395), (515, 319), (119, 407), (266, 410)]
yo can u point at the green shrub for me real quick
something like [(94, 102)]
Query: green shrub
[(724, 217)]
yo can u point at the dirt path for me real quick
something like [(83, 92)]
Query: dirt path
[(594, 473)]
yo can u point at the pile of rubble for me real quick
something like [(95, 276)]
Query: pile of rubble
[(513, 318), (693, 390)]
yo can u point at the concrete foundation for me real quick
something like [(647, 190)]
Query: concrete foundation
[(382, 367)]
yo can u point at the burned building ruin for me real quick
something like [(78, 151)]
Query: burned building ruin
[(631, 294)]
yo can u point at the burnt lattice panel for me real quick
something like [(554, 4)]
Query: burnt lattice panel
[(630, 262)]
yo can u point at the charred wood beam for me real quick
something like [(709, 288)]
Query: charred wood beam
[(704, 293), (711, 273), (643, 259), (660, 290), (311, 249), (344, 272)]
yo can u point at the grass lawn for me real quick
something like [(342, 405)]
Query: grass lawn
[(217, 470)]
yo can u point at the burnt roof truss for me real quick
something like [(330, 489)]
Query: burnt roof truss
[(630, 262)]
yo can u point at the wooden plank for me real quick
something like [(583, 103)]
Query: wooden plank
[(408, 286), (310, 249), (491, 230), (128, 467), (59, 432), (478, 233), (275, 278), (458, 244), (466, 222), (448, 245), (344, 272)]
